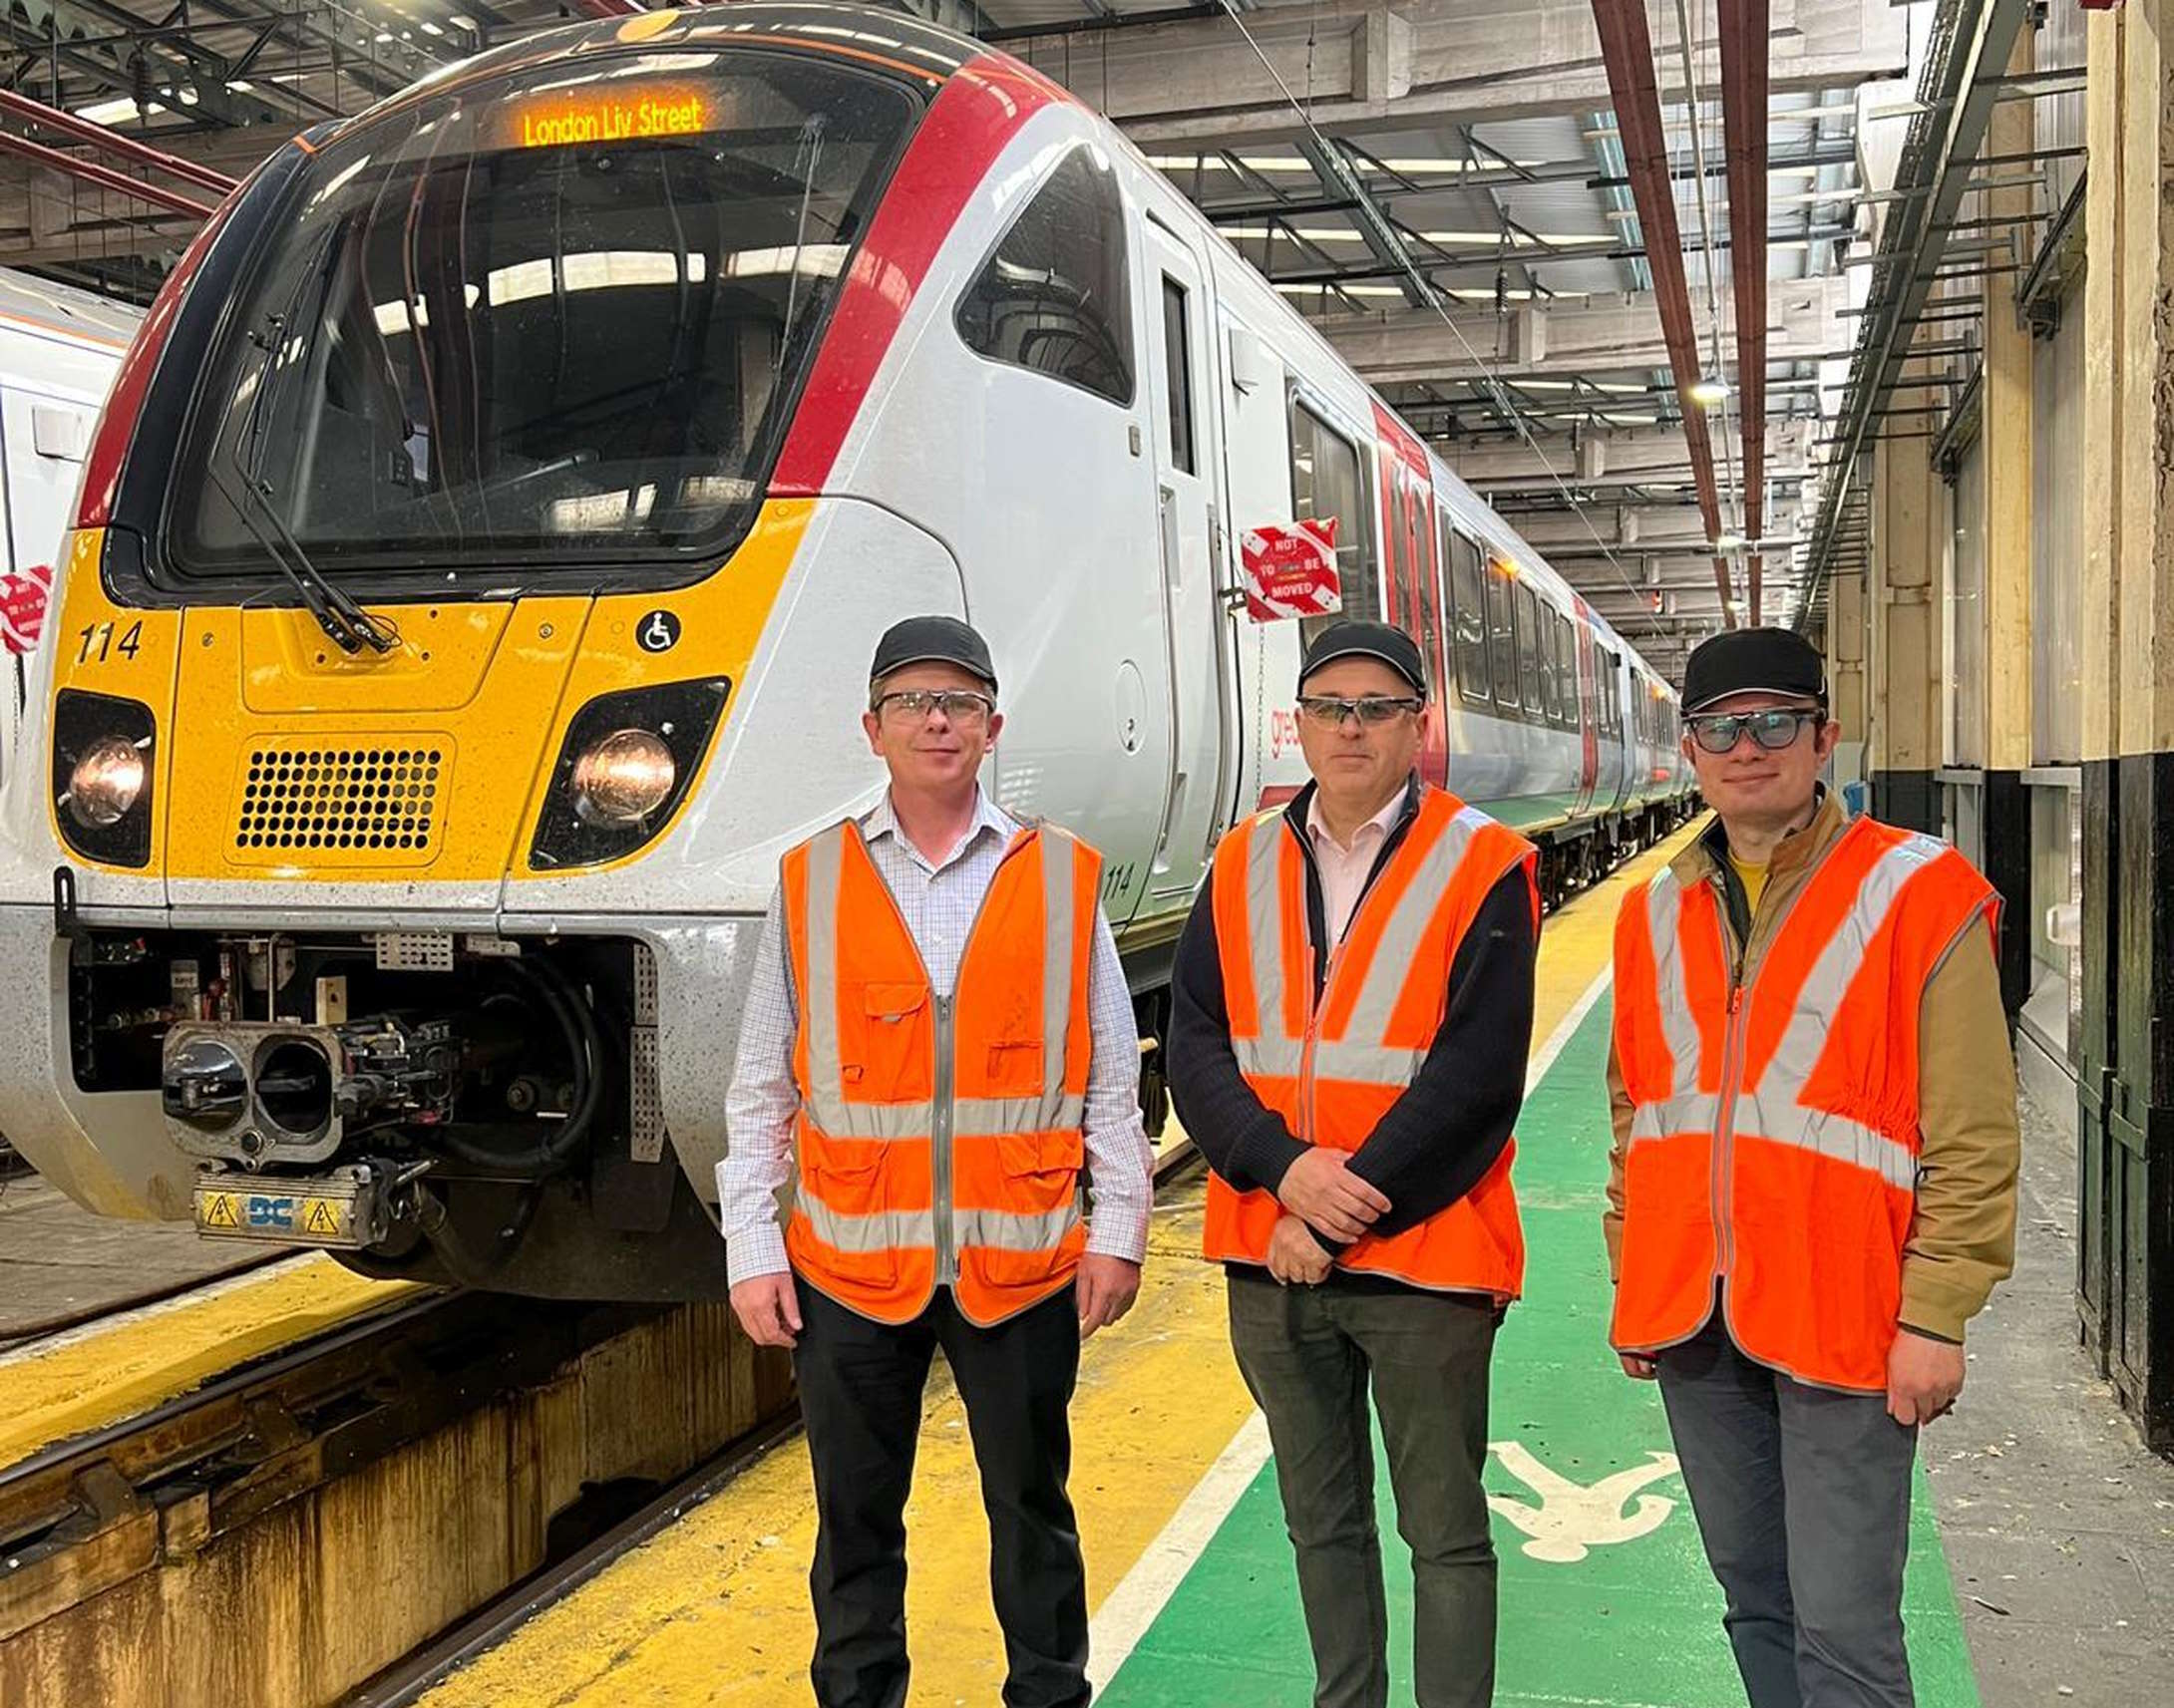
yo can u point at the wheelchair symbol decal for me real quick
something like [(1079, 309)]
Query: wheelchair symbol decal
[(657, 632)]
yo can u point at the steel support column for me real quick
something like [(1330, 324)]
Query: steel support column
[(2125, 1047), (1744, 47), (1909, 508), (1626, 46)]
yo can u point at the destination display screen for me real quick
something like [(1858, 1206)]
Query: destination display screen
[(622, 114)]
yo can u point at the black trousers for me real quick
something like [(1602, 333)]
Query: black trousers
[(1311, 1356), (861, 1388)]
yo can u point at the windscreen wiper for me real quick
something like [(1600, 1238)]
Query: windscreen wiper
[(350, 627)]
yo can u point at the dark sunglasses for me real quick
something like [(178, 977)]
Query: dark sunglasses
[(1369, 709), (1773, 731)]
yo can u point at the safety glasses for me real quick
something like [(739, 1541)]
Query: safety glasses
[(1368, 709), (1773, 731), (960, 706)]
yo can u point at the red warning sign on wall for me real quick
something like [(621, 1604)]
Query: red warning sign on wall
[(22, 606), (1290, 570)]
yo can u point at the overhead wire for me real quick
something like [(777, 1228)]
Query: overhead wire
[(1432, 298)]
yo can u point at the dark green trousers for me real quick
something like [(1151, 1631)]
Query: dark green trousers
[(1311, 1356)]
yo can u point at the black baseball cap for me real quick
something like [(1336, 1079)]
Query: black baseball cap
[(933, 640), (1355, 640), (1753, 661)]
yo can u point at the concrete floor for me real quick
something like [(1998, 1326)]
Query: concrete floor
[(56, 1260), (2059, 1522)]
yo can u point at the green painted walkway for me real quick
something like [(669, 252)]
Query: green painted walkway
[(1633, 1623)]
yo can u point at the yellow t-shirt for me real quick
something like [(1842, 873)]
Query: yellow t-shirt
[(1752, 877)]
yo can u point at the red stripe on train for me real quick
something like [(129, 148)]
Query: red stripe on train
[(976, 114)]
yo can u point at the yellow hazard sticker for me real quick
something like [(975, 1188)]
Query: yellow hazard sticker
[(218, 1210), (321, 1217)]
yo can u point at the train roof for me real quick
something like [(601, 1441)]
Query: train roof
[(906, 43), (36, 304)]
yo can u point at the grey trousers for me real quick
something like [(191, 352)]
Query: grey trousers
[(1802, 1496), (1309, 1355)]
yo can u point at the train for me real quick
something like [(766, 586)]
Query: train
[(473, 577)]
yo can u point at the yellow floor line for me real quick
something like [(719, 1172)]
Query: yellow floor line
[(104, 1373), (715, 1610)]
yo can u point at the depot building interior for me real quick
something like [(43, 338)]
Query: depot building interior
[(1843, 316)]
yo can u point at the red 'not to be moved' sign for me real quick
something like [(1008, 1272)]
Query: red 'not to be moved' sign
[(22, 606), (1290, 570)]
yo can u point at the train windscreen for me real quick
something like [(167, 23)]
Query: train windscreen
[(547, 323)]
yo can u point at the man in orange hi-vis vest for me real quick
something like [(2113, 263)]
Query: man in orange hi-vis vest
[(1350, 1013), (1813, 1182), (938, 1031)]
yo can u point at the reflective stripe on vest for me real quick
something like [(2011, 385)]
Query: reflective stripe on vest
[(1332, 1069), (1745, 1145), (925, 1161)]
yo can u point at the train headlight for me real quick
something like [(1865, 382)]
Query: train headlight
[(105, 782), (102, 776), (624, 778), (626, 764)]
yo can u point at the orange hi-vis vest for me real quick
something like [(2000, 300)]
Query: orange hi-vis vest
[(1774, 1138), (1332, 1069), (939, 1138)]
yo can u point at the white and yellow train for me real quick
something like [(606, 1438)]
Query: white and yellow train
[(476, 570)]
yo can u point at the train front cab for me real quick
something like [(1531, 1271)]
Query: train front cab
[(375, 864)]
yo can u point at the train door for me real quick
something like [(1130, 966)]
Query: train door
[(1424, 619), (1188, 464), (1585, 704), (1414, 601), (42, 445)]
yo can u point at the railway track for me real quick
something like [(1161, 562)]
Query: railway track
[(291, 1527), (25, 1336), (412, 1679)]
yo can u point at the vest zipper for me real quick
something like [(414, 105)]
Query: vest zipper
[(1308, 1125), (1722, 1175), (1724, 1158), (942, 1117), (940, 1142)]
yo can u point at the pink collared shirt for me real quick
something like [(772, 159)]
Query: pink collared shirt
[(1343, 870)]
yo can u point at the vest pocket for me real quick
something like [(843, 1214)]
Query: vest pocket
[(1042, 1168), (1015, 1067), (887, 1057), (847, 1178)]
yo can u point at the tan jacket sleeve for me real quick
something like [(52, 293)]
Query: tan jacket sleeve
[(1619, 1110), (1963, 1237)]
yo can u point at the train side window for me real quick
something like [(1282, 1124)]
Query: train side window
[(1566, 670), (1429, 573), (1396, 584), (1543, 615), (1551, 661), (1468, 605), (1560, 699), (1610, 699), (1325, 481), (1527, 652), (1052, 297), (1501, 636), (1178, 359)]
